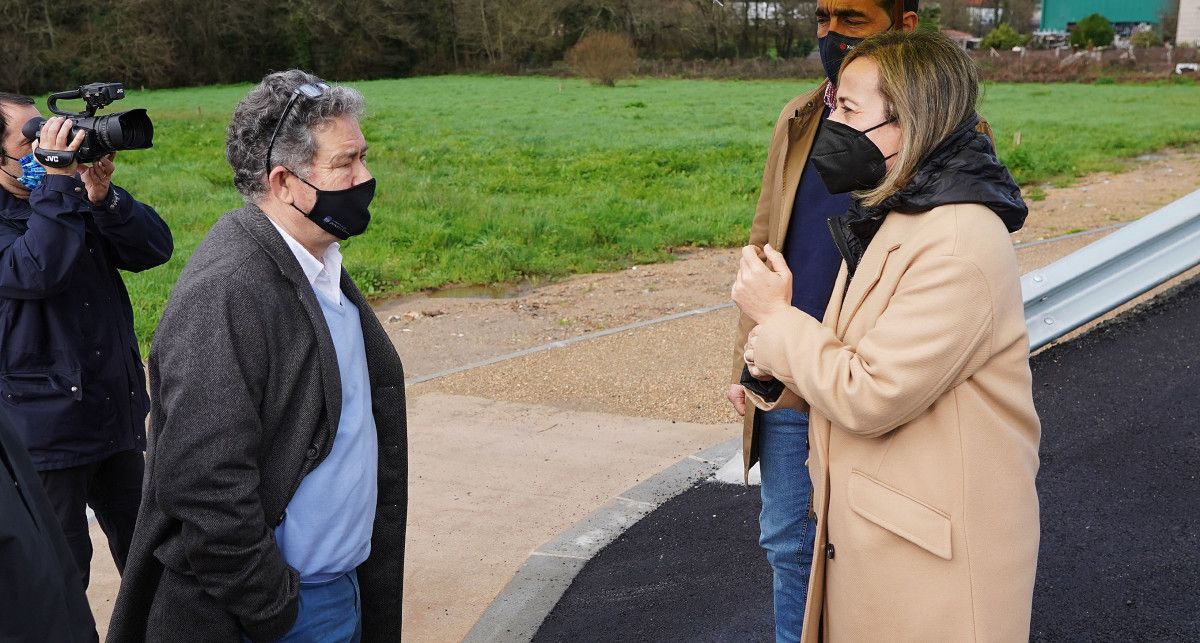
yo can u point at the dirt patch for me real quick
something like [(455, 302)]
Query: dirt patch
[(436, 334), (1105, 198), (675, 372)]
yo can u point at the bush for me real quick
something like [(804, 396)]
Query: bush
[(1002, 38), (1093, 31), (604, 57), (1146, 39)]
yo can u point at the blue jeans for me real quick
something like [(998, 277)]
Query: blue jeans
[(787, 532), (329, 612)]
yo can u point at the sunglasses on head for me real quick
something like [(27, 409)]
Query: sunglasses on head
[(308, 90)]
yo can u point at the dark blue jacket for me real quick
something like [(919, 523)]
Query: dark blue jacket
[(71, 378), (42, 592)]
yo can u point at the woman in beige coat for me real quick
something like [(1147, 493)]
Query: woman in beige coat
[(924, 438)]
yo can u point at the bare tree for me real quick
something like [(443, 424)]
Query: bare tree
[(796, 23), (510, 31), (21, 47)]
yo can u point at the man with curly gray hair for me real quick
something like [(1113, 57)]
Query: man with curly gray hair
[(276, 484)]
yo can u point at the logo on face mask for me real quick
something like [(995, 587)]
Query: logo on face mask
[(32, 172), (834, 47)]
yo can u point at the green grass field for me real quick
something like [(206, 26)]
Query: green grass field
[(485, 179)]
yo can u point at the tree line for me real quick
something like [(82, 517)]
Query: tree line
[(53, 45)]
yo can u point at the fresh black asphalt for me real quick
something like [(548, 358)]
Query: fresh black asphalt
[(1120, 507)]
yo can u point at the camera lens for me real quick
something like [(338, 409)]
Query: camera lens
[(130, 130)]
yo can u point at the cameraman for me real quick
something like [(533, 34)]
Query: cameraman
[(71, 377)]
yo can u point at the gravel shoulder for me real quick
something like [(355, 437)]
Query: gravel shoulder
[(674, 371)]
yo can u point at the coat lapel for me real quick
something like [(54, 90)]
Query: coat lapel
[(802, 131), (865, 278), (260, 228)]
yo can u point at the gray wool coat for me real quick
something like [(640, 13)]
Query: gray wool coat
[(246, 399)]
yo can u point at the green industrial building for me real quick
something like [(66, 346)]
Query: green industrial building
[(1061, 15)]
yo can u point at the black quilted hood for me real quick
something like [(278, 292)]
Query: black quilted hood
[(962, 169)]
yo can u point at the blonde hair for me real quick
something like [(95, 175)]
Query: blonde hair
[(930, 87)]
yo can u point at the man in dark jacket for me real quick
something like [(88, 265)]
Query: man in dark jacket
[(71, 377), (40, 587), (276, 488)]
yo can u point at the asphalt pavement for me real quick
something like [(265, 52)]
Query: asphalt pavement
[(1120, 500)]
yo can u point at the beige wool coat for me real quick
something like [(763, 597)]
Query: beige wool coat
[(791, 141), (924, 438)]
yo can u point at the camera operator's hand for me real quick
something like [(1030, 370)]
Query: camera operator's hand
[(54, 137), (98, 178)]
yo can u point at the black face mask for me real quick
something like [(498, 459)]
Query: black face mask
[(342, 213), (846, 159), (834, 47)]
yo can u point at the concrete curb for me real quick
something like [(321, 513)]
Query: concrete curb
[(523, 604)]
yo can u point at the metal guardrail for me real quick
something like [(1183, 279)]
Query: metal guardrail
[(1100, 277)]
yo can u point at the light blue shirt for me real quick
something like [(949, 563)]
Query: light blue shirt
[(326, 531)]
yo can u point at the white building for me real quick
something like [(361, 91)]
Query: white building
[(1189, 23)]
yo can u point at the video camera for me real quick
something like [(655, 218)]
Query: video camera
[(131, 130)]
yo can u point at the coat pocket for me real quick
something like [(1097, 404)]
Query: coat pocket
[(901, 514), (25, 387)]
